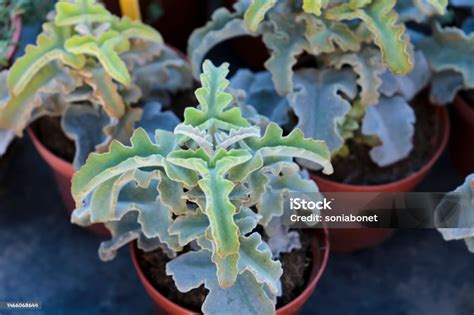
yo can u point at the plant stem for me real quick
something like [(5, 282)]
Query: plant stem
[(131, 8)]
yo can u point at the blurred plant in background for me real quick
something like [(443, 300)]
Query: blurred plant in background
[(361, 75)]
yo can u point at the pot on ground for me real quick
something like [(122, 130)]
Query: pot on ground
[(462, 140), (63, 172), (320, 250), (347, 240)]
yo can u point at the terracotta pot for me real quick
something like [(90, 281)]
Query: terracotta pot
[(349, 240), (63, 172), (320, 257), (179, 19), (462, 140)]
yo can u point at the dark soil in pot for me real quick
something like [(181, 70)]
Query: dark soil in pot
[(296, 274), (359, 169), (50, 134)]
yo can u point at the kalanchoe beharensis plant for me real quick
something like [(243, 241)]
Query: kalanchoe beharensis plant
[(208, 185), (366, 70), (98, 72), (461, 225), (450, 52)]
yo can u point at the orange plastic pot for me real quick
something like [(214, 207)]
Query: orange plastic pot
[(349, 240), (462, 140), (63, 172), (320, 248)]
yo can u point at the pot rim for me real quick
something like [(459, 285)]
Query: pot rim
[(16, 22), (443, 118), (324, 247)]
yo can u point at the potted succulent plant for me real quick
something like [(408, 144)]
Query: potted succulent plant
[(348, 74), (205, 203), (90, 78), (449, 51), (164, 14), (458, 225)]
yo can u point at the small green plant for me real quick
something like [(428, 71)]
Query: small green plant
[(93, 69), (365, 69), (209, 185), (462, 218)]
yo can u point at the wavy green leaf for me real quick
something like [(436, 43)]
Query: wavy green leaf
[(213, 101), (381, 20), (189, 227), (286, 41), (16, 110), (314, 91), (314, 6), (49, 47), (322, 35), (450, 49), (392, 121), (256, 257), (294, 145), (369, 67), (130, 29), (106, 49), (84, 124), (259, 92), (120, 159), (223, 25), (256, 13), (105, 91)]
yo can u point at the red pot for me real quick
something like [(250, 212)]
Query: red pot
[(179, 19), (349, 240), (320, 257), (462, 140), (63, 172)]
